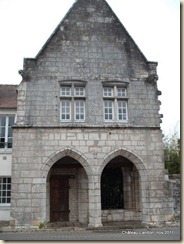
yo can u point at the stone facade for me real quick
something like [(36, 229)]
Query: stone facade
[(90, 49)]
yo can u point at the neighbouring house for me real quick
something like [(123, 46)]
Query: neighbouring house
[(8, 108), (87, 143)]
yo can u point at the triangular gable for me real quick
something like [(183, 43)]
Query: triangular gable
[(88, 6)]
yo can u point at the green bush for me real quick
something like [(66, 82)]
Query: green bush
[(172, 155)]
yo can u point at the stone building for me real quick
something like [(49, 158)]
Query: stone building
[(87, 143)]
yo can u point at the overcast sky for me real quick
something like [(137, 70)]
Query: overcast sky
[(25, 25)]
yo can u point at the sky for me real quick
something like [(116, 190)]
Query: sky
[(25, 25)]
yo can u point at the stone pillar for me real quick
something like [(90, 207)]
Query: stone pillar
[(95, 219), (127, 180)]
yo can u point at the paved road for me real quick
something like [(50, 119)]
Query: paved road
[(161, 234)]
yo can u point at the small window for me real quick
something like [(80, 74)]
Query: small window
[(79, 110), (108, 110), (5, 191), (121, 92), (122, 110), (65, 110), (79, 91), (108, 92), (65, 91)]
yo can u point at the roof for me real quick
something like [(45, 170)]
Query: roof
[(8, 96)]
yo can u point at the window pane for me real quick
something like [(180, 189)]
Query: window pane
[(121, 92), (9, 136), (2, 121), (6, 123), (108, 92), (65, 110), (65, 91), (9, 132), (5, 190), (108, 110), (9, 144), (2, 131), (11, 121), (2, 142), (79, 91), (122, 110), (79, 110)]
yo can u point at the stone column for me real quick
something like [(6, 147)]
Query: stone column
[(95, 219)]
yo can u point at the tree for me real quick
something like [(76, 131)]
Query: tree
[(172, 154)]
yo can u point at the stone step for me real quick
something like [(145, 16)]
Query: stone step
[(56, 225), (110, 226), (106, 226)]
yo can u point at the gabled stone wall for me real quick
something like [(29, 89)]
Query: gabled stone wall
[(90, 46)]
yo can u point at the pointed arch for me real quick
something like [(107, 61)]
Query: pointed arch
[(63, 153), (142, 186), (136, 160)]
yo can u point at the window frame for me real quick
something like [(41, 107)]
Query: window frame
[(65, 100), (107, 95), (121, 96), (6, 132), (6, 190), (65, 91), (77, 92), (79, 95), (118, 114), (75, 113), (118, 94), (112, 102)]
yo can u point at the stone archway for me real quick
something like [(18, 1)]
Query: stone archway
[(127, 154), (67, 174), (135, 186), (62, 153)]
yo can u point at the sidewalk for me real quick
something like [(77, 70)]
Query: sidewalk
[(159, 234), (107, 227)]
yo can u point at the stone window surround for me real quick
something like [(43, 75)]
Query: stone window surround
[(115, 84), (115, 97), (74, 97)]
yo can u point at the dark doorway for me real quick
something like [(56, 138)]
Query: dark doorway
[(59, 198), (112, 189)]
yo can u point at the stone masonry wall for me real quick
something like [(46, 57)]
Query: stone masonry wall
[(41, 145), (91, 45)]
